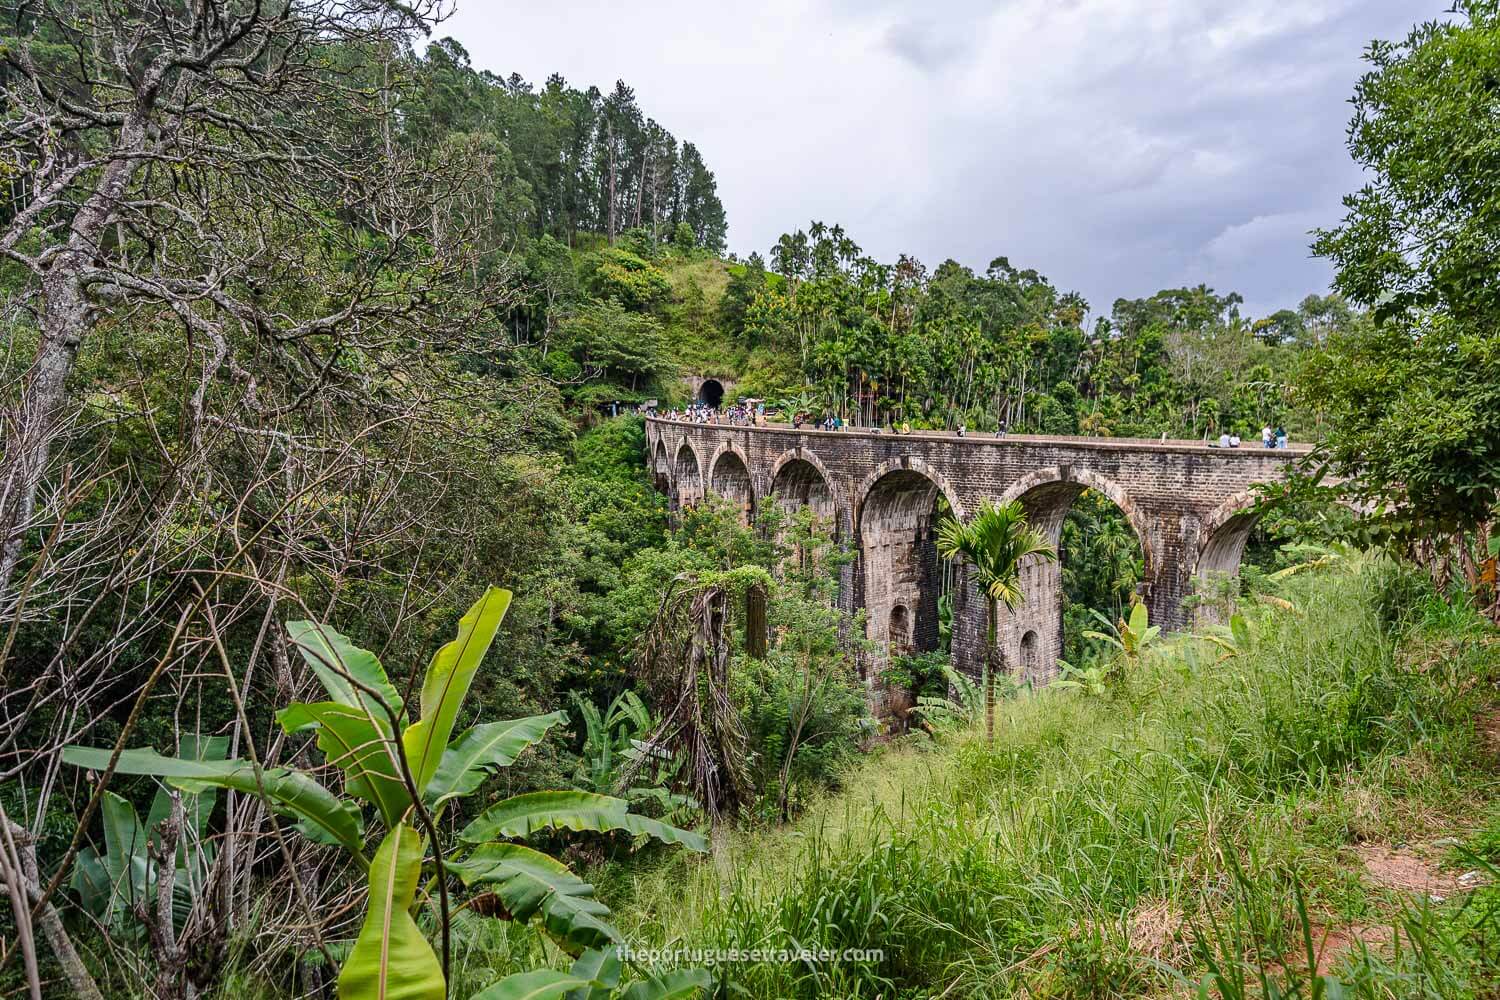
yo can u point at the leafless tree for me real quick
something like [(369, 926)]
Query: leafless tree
[(204, 209), (194, 157)]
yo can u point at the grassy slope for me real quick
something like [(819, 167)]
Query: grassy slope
[(701, 348), (697, 344), (1088, 845)]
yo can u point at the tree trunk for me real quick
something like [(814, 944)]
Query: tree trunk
[(756, 631), (991, 667), (640, 193), (80, 980), (171, 963), (609, 132), (64, 321)]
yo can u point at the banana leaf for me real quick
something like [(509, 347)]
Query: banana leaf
[(481, 750), (523, 815), (321, 816), (447, 681), (391, 960)]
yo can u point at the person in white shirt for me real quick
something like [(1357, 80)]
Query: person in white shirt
[(1224, 440), (1234, 440)]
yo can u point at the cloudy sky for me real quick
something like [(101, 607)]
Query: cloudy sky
[(1117, 146)]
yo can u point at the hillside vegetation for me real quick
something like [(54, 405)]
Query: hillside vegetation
[(1207, 816)]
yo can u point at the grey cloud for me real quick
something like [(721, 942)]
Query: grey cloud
[(1118, 146), (926, 44)]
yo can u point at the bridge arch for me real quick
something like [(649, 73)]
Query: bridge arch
[(899, 578), (729, 477), (661, 468), (906, 463), (1221, 542), (800, 479), (1048, 493), (1032, 635), (687, 475)]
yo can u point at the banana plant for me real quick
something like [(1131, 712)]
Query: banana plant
[(1092, 679), (113, 886), (1236, 641), (1313, 557), (609, 736), (961, 707), (1132, 636), (405, 764), (613, 747)]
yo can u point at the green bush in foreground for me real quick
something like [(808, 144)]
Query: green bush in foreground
[(408, 766)]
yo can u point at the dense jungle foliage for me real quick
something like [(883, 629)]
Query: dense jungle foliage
[(311, 326)]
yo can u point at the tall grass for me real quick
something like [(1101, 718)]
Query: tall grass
[(1196, 821)]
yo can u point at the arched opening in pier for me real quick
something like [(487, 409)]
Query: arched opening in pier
[(900, 631), (1031, 650), (711, 393), (730, 479)]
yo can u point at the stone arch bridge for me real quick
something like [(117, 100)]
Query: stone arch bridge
[(1187, 503)]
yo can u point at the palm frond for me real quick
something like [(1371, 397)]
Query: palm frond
[(994, 543)]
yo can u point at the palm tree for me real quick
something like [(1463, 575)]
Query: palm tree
[(994, 542)]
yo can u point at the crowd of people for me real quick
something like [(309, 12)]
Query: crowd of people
[(740, 414), (1268, 438)]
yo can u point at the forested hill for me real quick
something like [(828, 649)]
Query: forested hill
[(826, 328), (566, 161)]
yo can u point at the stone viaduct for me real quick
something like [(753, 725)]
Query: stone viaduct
[(1188, 504)]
